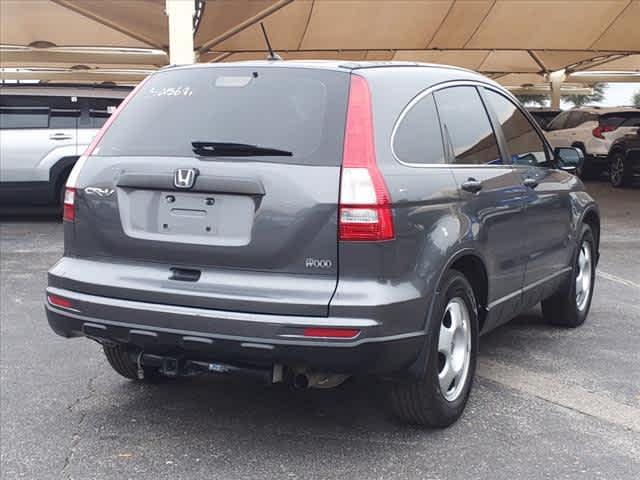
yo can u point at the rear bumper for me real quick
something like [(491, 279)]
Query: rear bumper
[(256, 339)]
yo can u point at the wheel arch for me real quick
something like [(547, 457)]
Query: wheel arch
[(472, 265), (591, 217), (581, 146), (617, 148), (59, 172)]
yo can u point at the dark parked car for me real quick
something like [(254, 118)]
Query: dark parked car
[(543, 115), (624, 160), (307, 221)]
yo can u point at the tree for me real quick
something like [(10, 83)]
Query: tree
[(538, 100), (580, 100), (635, 100)]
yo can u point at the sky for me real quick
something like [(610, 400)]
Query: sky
[(619, 94)]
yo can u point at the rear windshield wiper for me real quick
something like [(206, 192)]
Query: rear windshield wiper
[(228, 149)]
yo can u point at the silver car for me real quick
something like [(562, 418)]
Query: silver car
[(43, 130)]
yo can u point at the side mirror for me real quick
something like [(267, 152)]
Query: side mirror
[(569, 159)]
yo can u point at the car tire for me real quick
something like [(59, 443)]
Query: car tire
[(619, 170), (120, 360), (569, 305), (452, 343)]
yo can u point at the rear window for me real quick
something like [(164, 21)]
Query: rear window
[(301, 111)]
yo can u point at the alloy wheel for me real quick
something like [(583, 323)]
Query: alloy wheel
[(617, 170), (583, 277), (454, 349)]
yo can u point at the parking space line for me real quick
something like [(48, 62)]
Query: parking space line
[(573, 397), (615, 278)]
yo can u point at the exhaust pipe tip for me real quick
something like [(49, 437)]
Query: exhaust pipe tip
[(301, 381)]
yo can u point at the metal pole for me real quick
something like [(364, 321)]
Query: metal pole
[(180, 13), (556, 79)]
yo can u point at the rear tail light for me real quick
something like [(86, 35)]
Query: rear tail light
[(69, 204), (69, 209), (600, 129), (365, 206), (331, 332), (59, 301)]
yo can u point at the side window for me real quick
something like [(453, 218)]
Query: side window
[(523, 142), (97, 118), (417, 138), (100, 109), (575, 119), (466, 128), (23, 112), (23, 117), (64, 118), (559, 122)]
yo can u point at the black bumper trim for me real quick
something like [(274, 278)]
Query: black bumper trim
[(379, 355)]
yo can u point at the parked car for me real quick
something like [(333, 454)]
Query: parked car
[(307, 221), (593, 130), (543, 115), (624, 163), (44, 129)]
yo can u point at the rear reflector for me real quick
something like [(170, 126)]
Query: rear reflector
[(365, 210), (331, 332), (69, 204), (59, 301)]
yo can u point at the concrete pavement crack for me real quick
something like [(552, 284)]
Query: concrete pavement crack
[(77, 436)]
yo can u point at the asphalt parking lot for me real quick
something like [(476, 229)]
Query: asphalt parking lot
[(548, 402)]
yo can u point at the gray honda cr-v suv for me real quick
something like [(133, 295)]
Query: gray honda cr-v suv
[(306, 221)]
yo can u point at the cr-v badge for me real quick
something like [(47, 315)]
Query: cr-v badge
[(101, 192), (185, 177)]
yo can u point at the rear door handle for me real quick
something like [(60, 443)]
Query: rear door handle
[(472, 185), (530, 182), (59, 136)]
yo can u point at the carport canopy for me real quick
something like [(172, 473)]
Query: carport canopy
[(517, 42)]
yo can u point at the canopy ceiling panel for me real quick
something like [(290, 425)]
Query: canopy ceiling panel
[(25, 22), (521, 79), (629, 63), (459, 58), (460, 23), (285, 27), (509, 61), (569, 25), (143, 18), (496, 37), (384, 24), (624, 32)]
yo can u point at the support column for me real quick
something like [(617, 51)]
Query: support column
[(556, 79), (180, 13)]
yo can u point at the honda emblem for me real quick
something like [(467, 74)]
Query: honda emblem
[(185, 177)]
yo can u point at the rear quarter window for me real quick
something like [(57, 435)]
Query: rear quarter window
[(293, 109), (417, 138)]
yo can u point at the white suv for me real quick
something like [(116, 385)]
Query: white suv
[(593, 130), (43, 130)]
